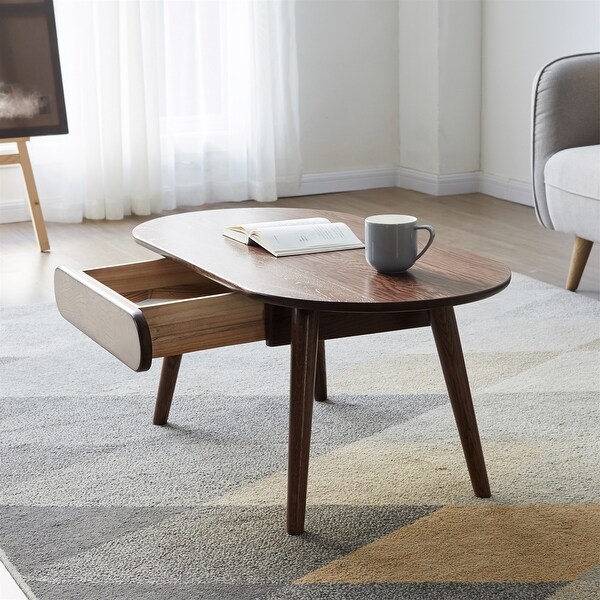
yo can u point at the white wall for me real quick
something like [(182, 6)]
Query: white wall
[(440, 83), (419, 85), (460, 85), (465, 70), (13, 194), (519, 37), (348, 84)]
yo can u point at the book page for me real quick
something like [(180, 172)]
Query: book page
[(241, 233), (306, 238), (250, 227), (288, 223)]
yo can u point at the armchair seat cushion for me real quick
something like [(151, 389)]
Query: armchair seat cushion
[(572, 183)]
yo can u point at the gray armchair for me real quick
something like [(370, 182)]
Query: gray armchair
[(566, 153)]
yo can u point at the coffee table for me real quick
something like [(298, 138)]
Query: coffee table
[(310, 298)]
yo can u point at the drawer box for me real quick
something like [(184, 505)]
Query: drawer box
[(140, 311)]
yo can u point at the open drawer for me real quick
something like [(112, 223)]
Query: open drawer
[(140, 311)]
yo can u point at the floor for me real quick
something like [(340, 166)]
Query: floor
[(501, 230), (9, 590), (495, 228)]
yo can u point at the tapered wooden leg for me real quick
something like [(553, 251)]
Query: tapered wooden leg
[(35, 207), (579, 256), (445, 332), (321, 378), (304, 344), (166, 388)]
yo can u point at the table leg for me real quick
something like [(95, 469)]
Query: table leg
[(166, 388), (304, 345), (321, 378), (445, 332)]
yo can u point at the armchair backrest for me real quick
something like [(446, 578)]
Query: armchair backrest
[(566, 114)]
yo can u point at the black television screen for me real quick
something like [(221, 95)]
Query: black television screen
[(31, 93)]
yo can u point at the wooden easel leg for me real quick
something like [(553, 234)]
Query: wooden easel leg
[(34, 201)]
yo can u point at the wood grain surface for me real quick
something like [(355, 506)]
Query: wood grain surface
[(166, 389), (447, 340), (332, 325), (178, 319), (330, 281), (579, 258), (304, 346)]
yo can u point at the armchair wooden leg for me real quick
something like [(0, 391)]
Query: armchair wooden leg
[(581, 252), (166, 388)]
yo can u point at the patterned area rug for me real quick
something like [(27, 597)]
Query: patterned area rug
[(97, 503)]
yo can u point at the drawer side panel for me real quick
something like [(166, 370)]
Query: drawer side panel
[(203, 323)]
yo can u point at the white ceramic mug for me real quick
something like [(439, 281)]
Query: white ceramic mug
[(391, 242)]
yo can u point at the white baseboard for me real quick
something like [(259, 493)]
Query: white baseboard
[(437, 185), (14, 211), (506, 189), (427, 183), (346, 181)]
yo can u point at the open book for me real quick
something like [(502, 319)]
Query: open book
[(296, 236)]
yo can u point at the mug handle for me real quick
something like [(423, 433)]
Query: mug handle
[(431, 236)]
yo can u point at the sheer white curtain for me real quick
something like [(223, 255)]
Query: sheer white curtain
[(171, 103)]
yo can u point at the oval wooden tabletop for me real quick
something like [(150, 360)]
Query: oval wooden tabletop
[(335, 281)]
